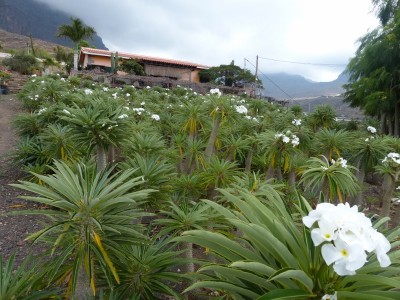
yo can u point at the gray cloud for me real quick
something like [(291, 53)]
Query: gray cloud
[(215, 32)]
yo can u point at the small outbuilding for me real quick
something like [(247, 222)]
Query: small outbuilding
[(91, 58)]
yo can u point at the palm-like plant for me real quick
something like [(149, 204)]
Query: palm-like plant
[(273, 256), (193, 117), (76, 32), (149, 270), (336, 181), (23, 282), (331, 143), (99, 124), (323, 117), (218, 173), (90, 214), (187, 216), (366, 155), (155, 172)]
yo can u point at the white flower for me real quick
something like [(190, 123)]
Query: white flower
[(295, 140), (216, 92), (241, 109), (285, 139), (128, 95), (342, 162), (278, 135), (148, 87), (66, 111), (367, 140), (296, 122), (371, 129), (88, 91), (346, 258), (123, 116), (114, 95), (42, 110), (105, 89), (155, 117), (329, 296), (33, 75), (62, 79), (346, 236), (142, 103)]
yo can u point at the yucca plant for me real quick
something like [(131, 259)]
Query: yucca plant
[(334, 179), (149, 270), (273, 256), (185, 216), (26, 281), (90, 214)]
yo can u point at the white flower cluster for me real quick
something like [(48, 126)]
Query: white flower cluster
[(346, 235), (155, 117), (216, 92), (340, 162), (105, 89), (42, 110), (288, 138), (392, 157), (241, 109), (296, 122), (35, 98), (371, 129), (138, 110), (123, 116), (88, 91)]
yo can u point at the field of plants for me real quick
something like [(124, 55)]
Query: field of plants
[(133, 182)]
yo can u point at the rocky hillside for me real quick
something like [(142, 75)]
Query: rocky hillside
[(26, 17), (17, 42)]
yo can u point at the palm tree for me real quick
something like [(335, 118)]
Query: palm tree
[(187, 216), (331, 143), (366, 153), (90, 213), (335, 181), (99, 124), (322, 117), (76, 32)]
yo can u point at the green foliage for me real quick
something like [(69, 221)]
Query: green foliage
[(23, 282), (132, 66), (76, 31), (90, 216), (273, 256), (228, 75), (22, 63)]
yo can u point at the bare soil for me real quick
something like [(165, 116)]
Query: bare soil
[(13, 229)]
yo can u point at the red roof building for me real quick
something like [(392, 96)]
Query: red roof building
[(91, 58)]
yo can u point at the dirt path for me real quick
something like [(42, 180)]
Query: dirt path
[(13, 229), (9, 106)]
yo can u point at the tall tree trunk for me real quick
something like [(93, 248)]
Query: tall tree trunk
[(396, 119), (101, 158), (270, 172), (357, 200), (325, 191), (213, 137), (390, 124), (383, 123), (249, 159), (389, 185), (82, 290), (292, 182), (189, 257)]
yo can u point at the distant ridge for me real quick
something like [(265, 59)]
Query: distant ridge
[(26, 17), (297, 86)]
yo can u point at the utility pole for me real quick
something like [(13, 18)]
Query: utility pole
[(244, 64), (256, 67)]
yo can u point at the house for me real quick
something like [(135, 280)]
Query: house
[(91, 58)]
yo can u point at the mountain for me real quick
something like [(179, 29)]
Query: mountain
[(286, 86), (26, 17)]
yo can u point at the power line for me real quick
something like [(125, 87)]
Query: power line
[(302, 63), (291, 98)]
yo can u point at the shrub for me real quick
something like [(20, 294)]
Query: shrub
[(22, 63)]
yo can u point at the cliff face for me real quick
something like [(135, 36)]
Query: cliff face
[(27, 17)]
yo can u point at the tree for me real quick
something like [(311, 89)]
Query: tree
[(132, 66), (76, 31), (228, 75)]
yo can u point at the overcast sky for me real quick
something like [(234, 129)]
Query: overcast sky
[(213, 32)]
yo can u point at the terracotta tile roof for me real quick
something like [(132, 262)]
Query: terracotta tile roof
[(93, 51)]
